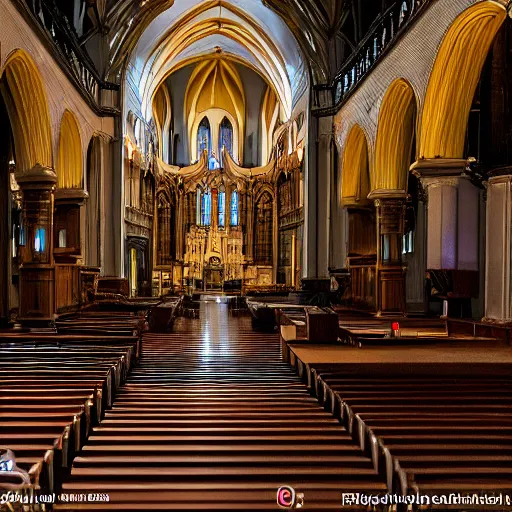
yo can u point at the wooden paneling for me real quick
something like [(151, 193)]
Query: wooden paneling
[(37, 294), (67, 286)]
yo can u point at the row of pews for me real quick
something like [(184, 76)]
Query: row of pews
[(212, 419), (429, 431), (432, 408), (56, 387)]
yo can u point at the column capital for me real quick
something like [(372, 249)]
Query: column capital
[(500, 174), (439, 167), (75, 196), (387, 194), (39, 177)]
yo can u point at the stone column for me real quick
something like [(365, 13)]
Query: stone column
[(37, 269), (323, 213), (390, 208), (452, 214), (452, 222), (498, 299), (317, 207)]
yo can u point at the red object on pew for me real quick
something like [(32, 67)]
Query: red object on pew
[(395, 328)]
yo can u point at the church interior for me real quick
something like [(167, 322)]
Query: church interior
[(255, 255)]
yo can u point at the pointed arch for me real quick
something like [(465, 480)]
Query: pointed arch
[(225, 137), (454, 78), (162, 114), (269, 116), (355, 178), (27, 105), (69, 166), (204, 138), (216, 84), (395, 136)]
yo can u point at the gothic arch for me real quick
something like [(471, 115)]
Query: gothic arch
[(395, 136), (454, 78), (27, 105), (69, 165), (355, 178)]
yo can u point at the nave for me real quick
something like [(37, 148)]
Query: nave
[(212, 419)]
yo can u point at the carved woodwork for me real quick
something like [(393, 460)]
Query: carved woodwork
[(37, 270), (67, 246), (362, 257), (390, 272)]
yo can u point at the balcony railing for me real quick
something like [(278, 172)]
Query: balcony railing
[(380, 38), (101, 95)]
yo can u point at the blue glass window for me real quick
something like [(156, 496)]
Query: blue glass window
[(198, 206), (40, 240), (204, 140), (222, 209), (225, 137), (206, 208), (234, 208)]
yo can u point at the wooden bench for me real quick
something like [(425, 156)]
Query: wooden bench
[(423, 432)]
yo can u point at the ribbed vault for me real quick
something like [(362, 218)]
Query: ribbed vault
[(239, 30)]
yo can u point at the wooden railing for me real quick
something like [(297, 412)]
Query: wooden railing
[(380, 38), (61, 38)]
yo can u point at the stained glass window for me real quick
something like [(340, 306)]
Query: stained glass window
[(198, 206), (40, 240), (234, 208), (225, 137), (206, 208), (204, 140), (222, 208)]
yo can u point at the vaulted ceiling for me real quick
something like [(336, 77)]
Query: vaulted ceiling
[(312, 23)]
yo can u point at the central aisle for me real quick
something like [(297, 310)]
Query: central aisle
[(211, 418)]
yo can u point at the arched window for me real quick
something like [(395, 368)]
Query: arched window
[(263, 230), (222, 207), (206, 208), (198, 206), (204, 139), (225, 138), (234, 208)]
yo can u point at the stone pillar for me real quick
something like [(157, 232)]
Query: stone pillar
[(390, 206), (452, 223), (317, 199), (37, 269), (323, 219), (498, 299), (339, 223)]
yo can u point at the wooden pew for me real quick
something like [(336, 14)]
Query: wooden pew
[(55, 390), (427, 434)]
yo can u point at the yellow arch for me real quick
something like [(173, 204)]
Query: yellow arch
[(395, 135), (26, 102), (454, 79), (69, 166), (355, 180)]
